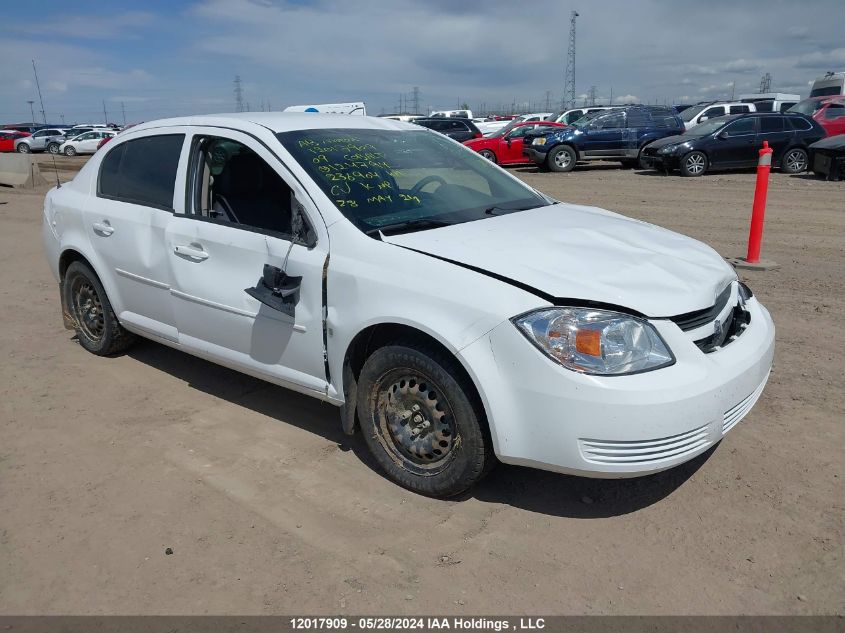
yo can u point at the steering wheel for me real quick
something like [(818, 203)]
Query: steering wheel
[(428, 179)]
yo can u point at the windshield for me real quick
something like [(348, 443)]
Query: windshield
[(708, 127), (585, 120), (380, 178), (807, 106), (504, 130), (690, 113)]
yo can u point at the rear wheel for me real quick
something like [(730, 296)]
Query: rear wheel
[(561, 158), (70, 150), (97, 327), (489, 155), (694, 164), (24, 148), (53, 148), (795, 161), (421, 420)]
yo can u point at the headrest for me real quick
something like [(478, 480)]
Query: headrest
[(243, 175)]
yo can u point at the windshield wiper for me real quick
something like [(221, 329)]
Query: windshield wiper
[(416, 224), (492, 210)]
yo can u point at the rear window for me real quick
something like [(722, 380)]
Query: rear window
[(771, 124), (142, 171), (834, 110)]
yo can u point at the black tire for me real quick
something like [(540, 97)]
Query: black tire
[(53, 148), (23, 148), (795, 161), (694, 164), (489, 155), (628, 163), (70, 150), (405, 389), (97, 327), (561, 158), (640, 163)]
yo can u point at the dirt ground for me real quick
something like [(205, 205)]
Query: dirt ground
[(268, 508)]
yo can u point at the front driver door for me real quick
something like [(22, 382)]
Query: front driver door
[(240, 216), (739, 147), (605, 135)]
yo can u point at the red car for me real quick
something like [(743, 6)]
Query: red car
[(505, 146), (8, 138), (829, 112)]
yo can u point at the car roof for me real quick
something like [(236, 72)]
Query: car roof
[(287, 121)]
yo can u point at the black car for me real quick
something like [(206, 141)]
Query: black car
[(733, 142), (618, 134), (459, 129), (827, 157)]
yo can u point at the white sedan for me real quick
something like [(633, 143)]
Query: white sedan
[(85, 143), (453, 314)]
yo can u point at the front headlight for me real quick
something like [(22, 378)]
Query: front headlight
[(669, 149), (539, 141), (597, 342)]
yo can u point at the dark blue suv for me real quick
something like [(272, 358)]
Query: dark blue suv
[(618, 134)]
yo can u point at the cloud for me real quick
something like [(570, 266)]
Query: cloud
[(827, 60), (95, 27)]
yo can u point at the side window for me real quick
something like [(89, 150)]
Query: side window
[(765, 106), (771, 124), (573, 116), (834, 110), (519, 132), (638, 118), (739, 109), (142, 171), (800, 124), (786, 105), (612, 121), (741, 127), (234, 185), (710, 113)]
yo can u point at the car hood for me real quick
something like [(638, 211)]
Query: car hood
[(671, 140), (480, 143), (587, 254)]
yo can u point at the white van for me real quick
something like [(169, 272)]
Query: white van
[(703, 111), (831, 85), (357, 107), (771, 101)]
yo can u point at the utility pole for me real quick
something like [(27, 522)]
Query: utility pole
[(569, 74), (239, 95), (123, 110), (40, 98), (415, 99), (733, 89), (611, 96), (105, 116), (31, 111), (766, 83)]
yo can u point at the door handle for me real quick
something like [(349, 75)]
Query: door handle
[(103, 228), (190, 251)]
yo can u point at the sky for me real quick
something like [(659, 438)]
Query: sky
[(157, 58)]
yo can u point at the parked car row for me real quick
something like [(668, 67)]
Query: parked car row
[(55, 139)]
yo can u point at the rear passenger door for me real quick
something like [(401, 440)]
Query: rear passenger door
[(244, 211), (774, 129), (127, 221)]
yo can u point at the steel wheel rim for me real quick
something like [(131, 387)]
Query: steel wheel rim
[(53, 149), (88, 309), (488, 155), (795, 161), (562, 159), (415, 422), (23, 148), (70, 151), (695, 164)]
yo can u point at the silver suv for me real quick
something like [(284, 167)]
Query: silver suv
[(48, 138)]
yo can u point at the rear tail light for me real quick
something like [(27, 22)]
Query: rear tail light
[(477, 135)]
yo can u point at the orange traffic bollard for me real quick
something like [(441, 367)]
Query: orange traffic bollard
[(758, 214)]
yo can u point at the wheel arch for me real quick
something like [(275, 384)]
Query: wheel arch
[(378, 335)]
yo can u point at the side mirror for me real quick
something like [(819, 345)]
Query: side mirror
[(723, 135), (276, 290)]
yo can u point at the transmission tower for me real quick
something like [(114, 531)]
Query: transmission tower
[(569, 75), (239, 95), (415, 99), (592, 95), (766, 83)]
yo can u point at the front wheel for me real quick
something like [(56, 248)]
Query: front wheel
[(97, 327), (694, 164), (421, 420), (23, 148), (795, 161), (53, 148), (561, 158), (70, 150)]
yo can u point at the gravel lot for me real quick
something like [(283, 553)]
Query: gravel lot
[(268, 508)]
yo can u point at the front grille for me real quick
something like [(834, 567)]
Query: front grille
[(644, 451), (732, 329), (737, 412), (693, 320)]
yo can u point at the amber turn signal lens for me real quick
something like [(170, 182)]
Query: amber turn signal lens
[(588, 342)]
